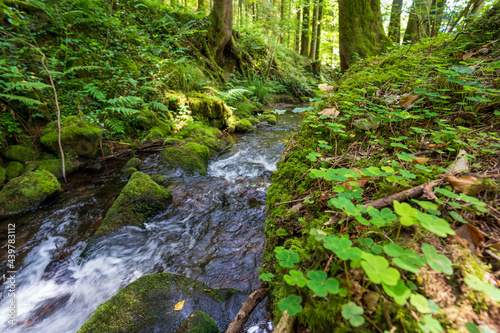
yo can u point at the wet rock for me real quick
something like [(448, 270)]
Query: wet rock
[(243, 126), (159, 179), (79, 138), (45, 309), (270, 118), (198, 322), (190, 156), (20, 153), (129, 172), (204, 135), (55, 166), (138, 202), (14, 169), (27, 191), (146, 305), (132, 163)]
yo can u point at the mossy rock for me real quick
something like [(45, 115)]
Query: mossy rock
[(210, 109), (161, 130), (270, 118), (198, 322), (146, 305), (243, 126), (159, 179), (202, 134), (55, 166), (174, 100), (79, 138), (138, 202), (231, 128), (3, 176), (172, 141), (14, 169), (146, 118), (190, 156), (27, 192), (253, 120), (129, 172), (134, 162), (20, 153)]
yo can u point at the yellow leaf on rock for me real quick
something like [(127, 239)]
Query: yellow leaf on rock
[(179, 306)]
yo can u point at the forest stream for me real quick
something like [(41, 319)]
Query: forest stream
[(213, 232)]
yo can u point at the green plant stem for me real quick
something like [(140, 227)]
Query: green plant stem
[(399, 230)]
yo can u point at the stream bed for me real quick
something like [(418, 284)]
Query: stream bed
[(212, 232)]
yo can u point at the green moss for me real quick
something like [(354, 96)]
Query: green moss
[(79, 138), (55, 166), (172, 141), (159, 179), (243, 126), (129, 172), (198, 322), (139, 200), (132, 163), (202, 134), (146, 118), (20, 153), (27, 191), (14, 169), (190, 156), (3, 177), (270, 118), (161, 130), (147, 303), (253, 120)]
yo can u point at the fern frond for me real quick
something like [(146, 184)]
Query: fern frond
[(115, 125), (122, 110), (125, 101), (158, 106), (94, 91), (147, 89), (81, 68), (22, 99), (28, 86)]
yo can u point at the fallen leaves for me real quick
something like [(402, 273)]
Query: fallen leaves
[(469, 236), (178, 307), (466, 184), (407, 101), (331, 112), (420, 160), (461, 164)]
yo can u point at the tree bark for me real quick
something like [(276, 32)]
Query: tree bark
[(318, 39), (437, 11), (314, 40), (477, 7), (222, 26), (361, 33), (395, 21), (304, 45), (297, 31), (418, 23)]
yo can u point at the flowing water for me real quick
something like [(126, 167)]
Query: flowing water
[(212, 232)]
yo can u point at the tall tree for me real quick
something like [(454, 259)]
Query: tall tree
[(437, 11), (477, 6), (395, 21), (314, 39), (419, 21), (304, 45), (361, 33), (221, 29), (297, 31), (318, 39)]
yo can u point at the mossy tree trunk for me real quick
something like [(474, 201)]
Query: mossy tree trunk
[(318, 39), (222, 27), (304, 45), (314, 40), (395, 21), (297, 31), (437, 11), (419, 21), (361, 33)]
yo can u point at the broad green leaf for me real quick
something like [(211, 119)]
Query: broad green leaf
[(332, 286), (420, 303), (353, 313), (430, 324), (292, 304), (313, 156), (295, 278), (287, 258), (406, 213), (475, 283), (342, 248), (266, 277), (378, 270), (437, 262), (435, 224), (400, 292), (405, 259)]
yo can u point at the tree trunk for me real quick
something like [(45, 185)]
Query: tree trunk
[(477, 7), (282, 16), (418, 23), (437, 11), (304, 47), (361, 33), (222, 26), (314, 40), (395, 21), (297, 31), (318, 39)]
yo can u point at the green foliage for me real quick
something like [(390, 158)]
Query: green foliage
[(352, 312), (291, 304)]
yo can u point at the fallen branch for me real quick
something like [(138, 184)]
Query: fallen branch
[(291, 201), (246, 309), (286, 324)]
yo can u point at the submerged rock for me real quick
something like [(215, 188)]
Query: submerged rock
[(79, 138), (190, 156), (243, 126), (55, 166), (139, 201), (270, 118), (146, 305), (20, 153), (27, 191), (198, 322)]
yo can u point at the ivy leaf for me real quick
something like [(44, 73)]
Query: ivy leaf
[(342, 248), (400, 292), (352, 312), (430, 324), (405, 259), (435, 224), (437, 262), (475, 283), (295, 278), (406, 213), (378, 270), (287, 258), (292, 304), (420, 303), (266, 277)]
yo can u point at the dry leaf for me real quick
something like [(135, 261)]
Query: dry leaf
[(471, 235), (466, 184), (332, 112), (460, 164), (468, 55), (207, 290), (178, 306), (407, 101), (428, 192), (325, 87), (361, 181), (432, 145), (420, 160)]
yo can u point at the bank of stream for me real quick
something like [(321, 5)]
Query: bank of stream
[(212, 232)]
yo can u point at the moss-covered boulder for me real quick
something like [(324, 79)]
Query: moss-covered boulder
[(27, 191), (146, 305), (3, 176), (129, 172), (138, 202), (146, 118), (79, 138), (159, 131), (20, 153), (198, 322), (204, 135), (270, 118), (159, 179), (253, 120), (210, 109), (55, 166), (243, 126), (14, 169), (190, 156), (134, 162)]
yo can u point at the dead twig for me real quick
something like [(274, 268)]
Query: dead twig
[(246, 309)]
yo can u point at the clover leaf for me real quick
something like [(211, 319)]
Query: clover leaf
[(312, 156), (287, 258), (266, 277), (435, 224), (437, 262), (420, 303), (406, 213), (378, 270), (295, 278), (382, 217), (352, 312), (292, 304), (430, 324), (318, 284), (342, 248), (405, 259), (400, 292), (475, 283)]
